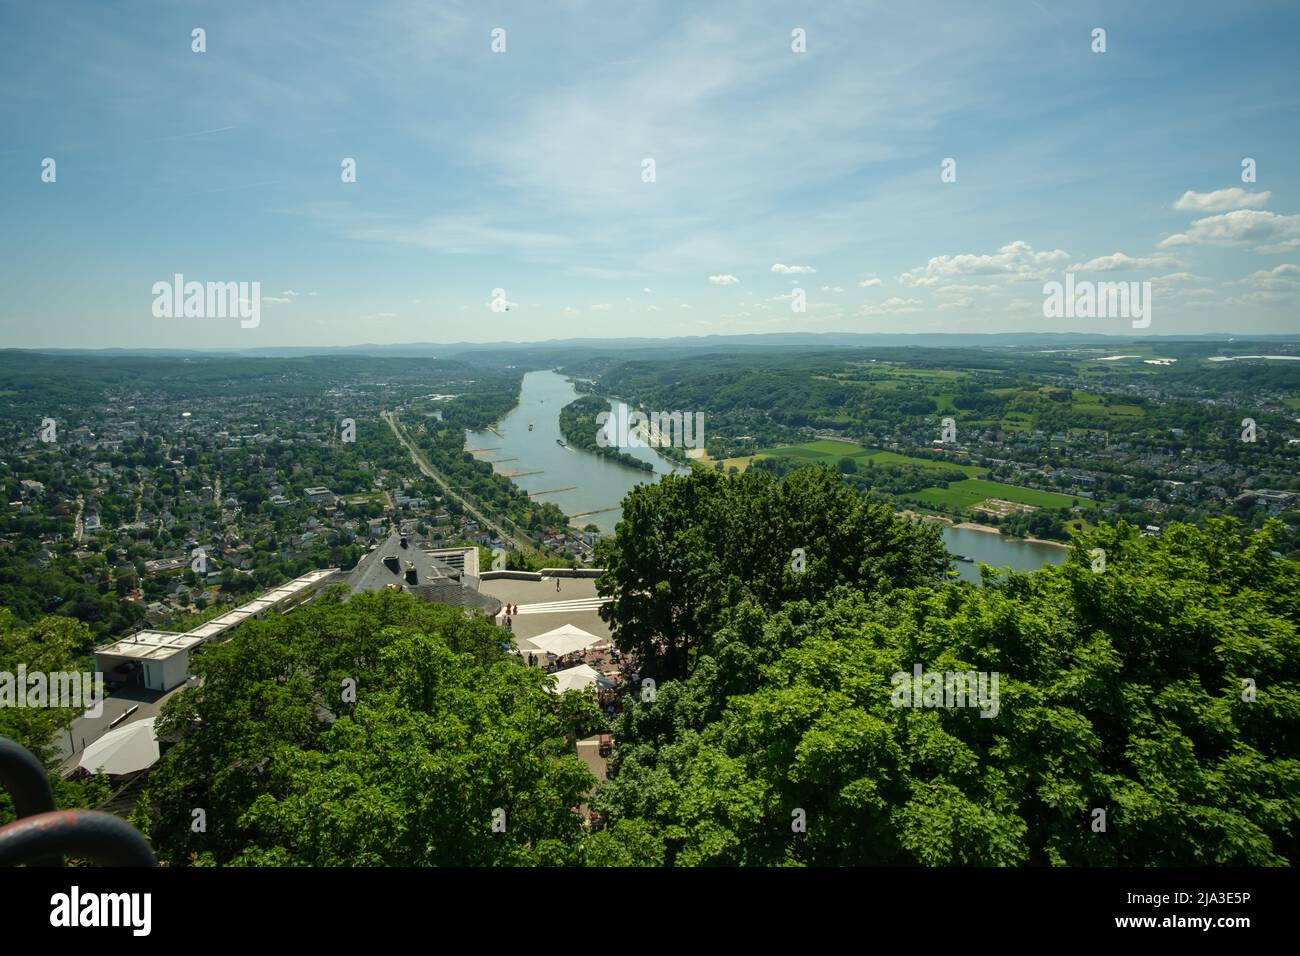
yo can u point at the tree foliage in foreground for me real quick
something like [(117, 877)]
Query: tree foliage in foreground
[(1120, 691), (445, 731), (51, 645), (1161, 689), (691, 547)]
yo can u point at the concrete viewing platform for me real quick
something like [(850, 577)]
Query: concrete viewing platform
[(542, 608)]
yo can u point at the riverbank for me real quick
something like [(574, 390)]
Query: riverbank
[(589, 488), (974, 526)]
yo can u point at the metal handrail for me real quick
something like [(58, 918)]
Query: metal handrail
[(86, 834), (42, 836)]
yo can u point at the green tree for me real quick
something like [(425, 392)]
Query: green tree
[(1161, 690), (50, 645), (693, 546), (445, 735)]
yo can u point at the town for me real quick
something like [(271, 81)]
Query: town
[(156, 506)]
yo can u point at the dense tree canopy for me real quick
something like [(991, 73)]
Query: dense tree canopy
[(1126, 690), (49, 646), (447, 735), (1147, 706), (693, 546)]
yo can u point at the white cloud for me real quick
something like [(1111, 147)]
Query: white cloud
[(448, 234), (892, 305), (602, 307), (1221, 200), (1287, 245), (1284, 277), (1260, 297), (832, 288), (687, 95), (1243, 226), (1117, 261), (570, 310), (868, 283), (965, 302), (274, 300), (646, 291), (1018, 260), (792, 270), (289, 292), (965, 289), (723, 280)]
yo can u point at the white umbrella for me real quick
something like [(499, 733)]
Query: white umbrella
[(564, 640), (124, 750), (574, 678)]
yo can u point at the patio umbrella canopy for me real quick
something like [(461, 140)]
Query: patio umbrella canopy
[(574, 678), (564, 640), (125, 750)]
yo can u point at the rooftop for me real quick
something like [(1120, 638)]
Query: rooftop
[(270, 599), (151, 645), (398, 563)]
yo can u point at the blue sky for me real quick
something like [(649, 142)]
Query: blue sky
[(522, 170)]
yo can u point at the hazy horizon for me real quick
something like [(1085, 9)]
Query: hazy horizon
[(761, 340)]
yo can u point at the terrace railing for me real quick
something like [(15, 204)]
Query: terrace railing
[(43, 836)]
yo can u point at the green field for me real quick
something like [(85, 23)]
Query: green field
[(829, 451), (964, 494), (376, 496), (893, 458), (824, 449)]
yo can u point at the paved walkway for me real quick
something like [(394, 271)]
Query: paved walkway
[(542, 608)]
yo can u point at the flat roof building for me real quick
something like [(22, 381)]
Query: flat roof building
[(157, 660), (160, 660)]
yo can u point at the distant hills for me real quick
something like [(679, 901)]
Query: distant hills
[(766, 341)]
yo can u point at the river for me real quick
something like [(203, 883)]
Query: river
[(586, 487), (999, 551), (590, 488)]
